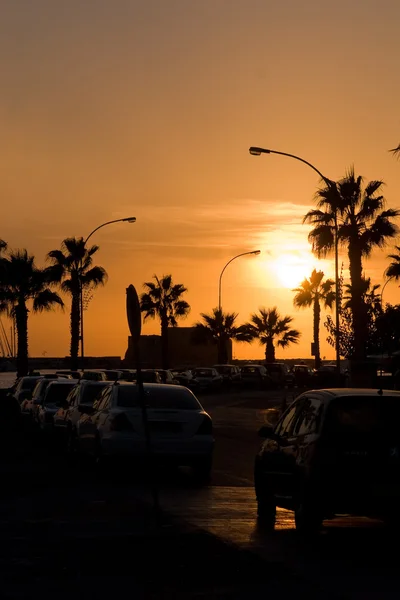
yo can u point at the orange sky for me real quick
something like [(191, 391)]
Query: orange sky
[(147, 108)]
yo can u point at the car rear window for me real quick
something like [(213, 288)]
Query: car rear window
[(362, 415), (169, 397), (28, 383), (91, 391), (203, 373), (57, 393)]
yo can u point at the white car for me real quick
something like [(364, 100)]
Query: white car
[(180, 429), (54, 397)]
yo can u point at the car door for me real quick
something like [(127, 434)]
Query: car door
[(299, 447), (274, 462), (61, 416), (103, 413)]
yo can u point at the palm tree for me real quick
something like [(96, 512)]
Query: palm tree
[(362, 225), (396, 151), (313, 291), (72, 268), (269, 326), (219, 328), (393, 270), (23, 282), (163, 299)]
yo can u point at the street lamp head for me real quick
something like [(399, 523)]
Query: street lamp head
[(129, 220), (256, 252), (255, 151)]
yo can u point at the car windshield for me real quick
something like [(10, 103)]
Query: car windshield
[(28, 383), (169, 397), (58, 392), (274, 368), (40, 387), (250, 370), (361, 415), (91, 391)]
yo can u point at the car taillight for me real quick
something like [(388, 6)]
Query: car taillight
[(120, 422), (206, 427)]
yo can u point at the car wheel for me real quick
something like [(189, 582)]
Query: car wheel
[(308, 518), (202, 470)]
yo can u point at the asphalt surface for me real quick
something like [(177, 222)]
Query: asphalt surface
[(70, 529)]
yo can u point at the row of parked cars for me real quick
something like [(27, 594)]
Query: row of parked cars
[(103, 419)]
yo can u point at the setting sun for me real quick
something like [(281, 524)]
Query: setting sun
[(291, 269)]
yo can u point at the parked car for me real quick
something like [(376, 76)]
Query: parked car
[(69, 373), (167, 376), (181, 431), (302, 375), (207, 378), (184, 377), (113, 374), (280, 374), (334, 451), (230, 373), (93, 375), (33, 400), (255, 376), (23, 388), (148, 376), (54, 397), (79, 400)]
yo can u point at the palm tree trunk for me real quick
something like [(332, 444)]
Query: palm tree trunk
[(270, 351), (357, 303), (75, 320), (164, 343), (21, 318), (317, 316), (222, 350)]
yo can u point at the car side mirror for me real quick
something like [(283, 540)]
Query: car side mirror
[(266, 431)]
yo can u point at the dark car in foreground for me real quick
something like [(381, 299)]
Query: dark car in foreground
[(334, 451)]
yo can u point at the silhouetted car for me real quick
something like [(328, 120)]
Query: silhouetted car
[(280, 374), (255, 376), (230, 373), (207, 378), (167, 376), (181, 431), (79, 400), (54, 397), (334, 451), (302, 375), (23, 388), (32, 400)]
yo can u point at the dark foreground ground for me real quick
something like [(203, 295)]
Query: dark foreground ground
[(71, 531)]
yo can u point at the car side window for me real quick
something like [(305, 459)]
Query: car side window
[(285, 424), (309, 418)]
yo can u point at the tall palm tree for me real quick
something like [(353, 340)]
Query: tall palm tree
[(268, 326), (312, 292), (396, 151), (23, 283), (219, 328), (163, 299), (72, 268), (362, 226)]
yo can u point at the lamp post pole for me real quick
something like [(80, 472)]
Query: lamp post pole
[(256, 151), (126, 220), (222, 272)]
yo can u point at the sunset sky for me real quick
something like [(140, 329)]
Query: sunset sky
[(112, 108)]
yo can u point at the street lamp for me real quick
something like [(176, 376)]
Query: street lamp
[(126, 220), (222, 272), (256, 151)]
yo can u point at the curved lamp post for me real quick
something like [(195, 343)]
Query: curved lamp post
[(222, 272), (256, 151), (126, 220)]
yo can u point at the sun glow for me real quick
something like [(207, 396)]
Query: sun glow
[(291, 269)]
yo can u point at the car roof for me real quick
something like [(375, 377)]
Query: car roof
[(147, 386), (345, 392), (63, 381)]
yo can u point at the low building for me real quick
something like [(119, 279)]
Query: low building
[(183, 351)]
